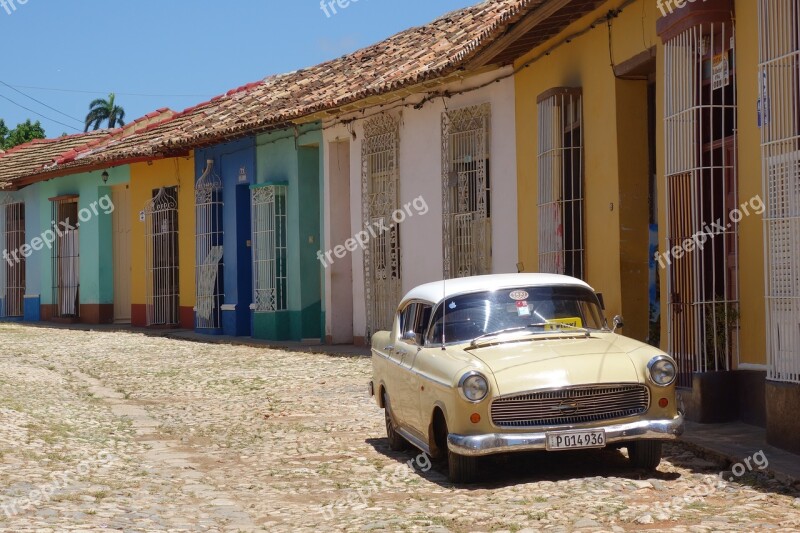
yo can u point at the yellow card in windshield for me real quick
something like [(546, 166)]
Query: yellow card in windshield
[(554, 323)]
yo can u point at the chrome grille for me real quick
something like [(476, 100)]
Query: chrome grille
[(572, 405)]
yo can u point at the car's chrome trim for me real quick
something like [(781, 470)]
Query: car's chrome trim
[(415, 441), (492, 443), (567, 390), (564, 387), (469, 375), (652, 362)]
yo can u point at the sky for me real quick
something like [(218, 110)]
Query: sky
[(173, 53)]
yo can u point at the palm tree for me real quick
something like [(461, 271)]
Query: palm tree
[(101, 111)]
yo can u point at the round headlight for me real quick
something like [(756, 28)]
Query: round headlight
[(662, 371), (474, 387)]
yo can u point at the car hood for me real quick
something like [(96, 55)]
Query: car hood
[(550, 361)]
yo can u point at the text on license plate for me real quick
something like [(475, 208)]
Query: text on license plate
[(572, 440)]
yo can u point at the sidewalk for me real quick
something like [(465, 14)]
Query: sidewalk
[(735, 441), (340, 350)]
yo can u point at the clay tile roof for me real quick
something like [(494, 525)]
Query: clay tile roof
[(43, 156), (129, 131), (32, 157), (405, 59)]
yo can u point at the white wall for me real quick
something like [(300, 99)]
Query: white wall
[(420, 166)]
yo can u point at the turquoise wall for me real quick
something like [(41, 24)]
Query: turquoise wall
[(295, 157), (96, 249)]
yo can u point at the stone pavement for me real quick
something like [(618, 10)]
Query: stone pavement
[(734, 441), (103, 430)]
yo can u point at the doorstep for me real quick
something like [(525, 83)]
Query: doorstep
[(736, 441)]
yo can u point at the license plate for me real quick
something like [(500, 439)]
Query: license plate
[(576, 440)]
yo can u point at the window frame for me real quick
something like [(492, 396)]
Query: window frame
[(561, 110)]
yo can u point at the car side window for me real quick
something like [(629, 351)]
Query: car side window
[(423, 319), (415, 317), (407, 319)]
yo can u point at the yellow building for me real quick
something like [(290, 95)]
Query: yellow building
[(637, 128), (162, 242)]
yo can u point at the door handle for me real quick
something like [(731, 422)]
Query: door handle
[(389, 348)]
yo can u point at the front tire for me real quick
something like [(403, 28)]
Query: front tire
[(645, 454), (461, 469), (396, 442)]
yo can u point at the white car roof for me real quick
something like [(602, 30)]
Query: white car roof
[(436, 291)]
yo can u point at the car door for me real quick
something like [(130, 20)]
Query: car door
[(409, 349), (400, 387)]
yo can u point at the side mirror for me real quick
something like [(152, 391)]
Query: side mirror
[(410, 337), (618, 323)]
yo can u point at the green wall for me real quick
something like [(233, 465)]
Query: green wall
[(296, 159), (96, 249)]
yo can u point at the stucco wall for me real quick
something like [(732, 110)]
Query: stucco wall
[(295, 157), (585, 62), (420, 169), (96, 250), (229, 159), (145, 178)]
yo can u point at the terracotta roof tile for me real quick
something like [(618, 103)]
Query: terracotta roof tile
[(406, 59), (46, 155), (32, 157)]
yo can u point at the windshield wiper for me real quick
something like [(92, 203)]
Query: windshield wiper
[(493, 333), (559, 325)]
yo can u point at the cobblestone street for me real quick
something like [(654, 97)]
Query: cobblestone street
[(118, 431)]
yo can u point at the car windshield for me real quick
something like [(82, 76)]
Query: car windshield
[(541, 309)]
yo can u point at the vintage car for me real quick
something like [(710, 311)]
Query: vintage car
[(519, 362)]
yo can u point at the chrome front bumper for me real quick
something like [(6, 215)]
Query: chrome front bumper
[(491, 443)]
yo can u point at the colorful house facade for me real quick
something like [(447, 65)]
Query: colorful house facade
[(57, 236), (162, 277), (425, 190), (645, 121), (287, 233), (223, 237)]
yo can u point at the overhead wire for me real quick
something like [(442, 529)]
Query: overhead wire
[(115, 92), (40, 102), (37, 113)]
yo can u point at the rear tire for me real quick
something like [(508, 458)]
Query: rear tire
[(645, 454), (396, 442), (461, 469)]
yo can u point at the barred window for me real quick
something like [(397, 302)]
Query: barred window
[(466, 189), (779, 118), (269, 248), (560, 171)]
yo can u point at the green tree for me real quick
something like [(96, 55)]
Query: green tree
[(101, 110), (24, 132)]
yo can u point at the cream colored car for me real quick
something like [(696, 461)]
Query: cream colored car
[(518, 362)]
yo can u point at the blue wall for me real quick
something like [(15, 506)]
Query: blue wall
[(229, 159)]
